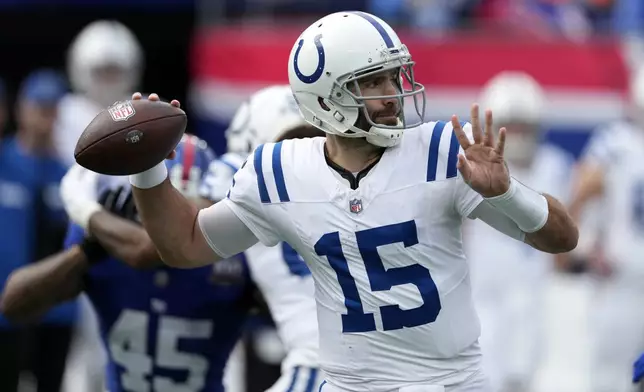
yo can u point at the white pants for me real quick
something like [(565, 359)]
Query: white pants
[(298, 378), (478, 382), (617, 333)]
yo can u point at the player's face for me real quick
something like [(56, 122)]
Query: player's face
[(382, 111)]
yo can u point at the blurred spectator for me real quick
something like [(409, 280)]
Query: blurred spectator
[(33, 225)]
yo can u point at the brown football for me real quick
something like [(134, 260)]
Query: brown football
[(130, 137)]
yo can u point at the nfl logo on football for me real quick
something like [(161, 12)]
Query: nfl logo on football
[(121, 111), (355, 206)]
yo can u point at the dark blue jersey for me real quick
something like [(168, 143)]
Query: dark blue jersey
[(167, 329)]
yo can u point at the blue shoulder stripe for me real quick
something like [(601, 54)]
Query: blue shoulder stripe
[(280, 184), (261, 183), (434, 144)]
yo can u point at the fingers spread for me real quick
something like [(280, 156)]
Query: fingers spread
[(500, 146), (489, 130), (476, 124), (463, 140)]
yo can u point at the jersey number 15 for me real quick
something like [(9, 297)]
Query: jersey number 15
[(381, 278)]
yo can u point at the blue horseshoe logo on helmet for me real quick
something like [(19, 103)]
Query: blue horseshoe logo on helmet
[(312, 78)]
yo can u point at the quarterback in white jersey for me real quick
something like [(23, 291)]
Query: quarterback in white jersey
[(611, 171), (375, 209), (509, 277), (279, 272)]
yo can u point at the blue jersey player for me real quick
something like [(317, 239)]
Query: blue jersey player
[(164, 329)]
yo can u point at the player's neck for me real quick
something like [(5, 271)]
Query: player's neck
[(352, 154)]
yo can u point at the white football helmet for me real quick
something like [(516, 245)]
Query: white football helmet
[(331, 55), (513, 96), (105, 45), (268, 113), (516, 100)]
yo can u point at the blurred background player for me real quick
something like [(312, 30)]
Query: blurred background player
[(509, 276), (165, 329), (33, 225), (611, 172), (104, 65), (279, 272)]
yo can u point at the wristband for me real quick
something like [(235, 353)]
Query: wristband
[(150, 178), (526, 207), (81, 213)]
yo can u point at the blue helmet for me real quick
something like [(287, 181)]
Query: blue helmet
[(187, 169)]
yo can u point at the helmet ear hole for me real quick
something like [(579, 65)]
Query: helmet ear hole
[(323, 105)]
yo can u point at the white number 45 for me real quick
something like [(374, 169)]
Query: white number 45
[(128, 345)]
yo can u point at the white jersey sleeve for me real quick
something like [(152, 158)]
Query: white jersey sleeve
[(249, 196)]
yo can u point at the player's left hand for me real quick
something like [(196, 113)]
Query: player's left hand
[(482, 166)]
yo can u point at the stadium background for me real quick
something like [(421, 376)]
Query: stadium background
[(211, 54)]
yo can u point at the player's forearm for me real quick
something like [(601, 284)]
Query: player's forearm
[(32, 290), (544, 220), (560, 233), (124, 240), (170, 220)]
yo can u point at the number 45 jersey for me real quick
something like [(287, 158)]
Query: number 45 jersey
[(391, 280)]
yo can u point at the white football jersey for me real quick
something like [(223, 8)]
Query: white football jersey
[(75, 112), (280, 273), (619, 149), (392, 283)]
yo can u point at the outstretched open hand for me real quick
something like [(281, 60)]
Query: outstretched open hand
[(482, 166)]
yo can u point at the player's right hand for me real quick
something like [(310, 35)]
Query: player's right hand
[(155, 97)]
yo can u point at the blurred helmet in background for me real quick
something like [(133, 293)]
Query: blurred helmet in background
[(105, 62), (516, 100), (269, 113)]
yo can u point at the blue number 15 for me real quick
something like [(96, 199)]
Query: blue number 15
[(381, 279)]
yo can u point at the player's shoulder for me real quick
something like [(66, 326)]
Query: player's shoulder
[(279, 170), (430, 151)]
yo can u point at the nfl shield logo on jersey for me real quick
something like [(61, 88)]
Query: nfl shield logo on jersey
[(121, 111), (355, 206)]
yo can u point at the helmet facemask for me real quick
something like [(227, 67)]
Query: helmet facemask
[(346, 94)]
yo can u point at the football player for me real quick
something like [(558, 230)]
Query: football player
[(164, 329), (279, 272), (375, 209), (101, 73), (508, 276), (610, 172)]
